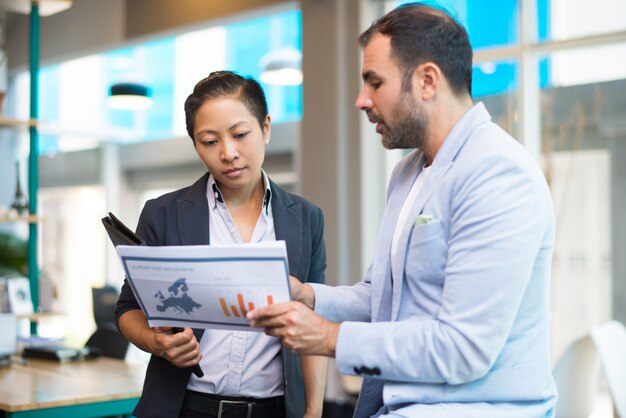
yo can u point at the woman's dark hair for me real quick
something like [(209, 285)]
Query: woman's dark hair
[(226, 83), (420, 33)]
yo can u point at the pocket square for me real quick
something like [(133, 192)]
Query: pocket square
[(423, 219)]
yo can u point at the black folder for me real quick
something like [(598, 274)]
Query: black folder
[(119, 233)]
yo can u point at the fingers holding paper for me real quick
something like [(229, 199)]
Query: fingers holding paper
[(298, 327), (181, 349)]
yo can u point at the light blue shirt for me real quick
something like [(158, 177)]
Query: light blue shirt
[(239, 363)]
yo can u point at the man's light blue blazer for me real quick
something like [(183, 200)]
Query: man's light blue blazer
[(463, 332)]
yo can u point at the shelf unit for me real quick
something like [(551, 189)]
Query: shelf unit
[(31, 219), (39, 315), (33, 158), (17, 123)]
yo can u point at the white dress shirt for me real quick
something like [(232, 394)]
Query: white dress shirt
[(239, 363)]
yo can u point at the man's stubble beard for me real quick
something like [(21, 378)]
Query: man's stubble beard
[(408, 127)]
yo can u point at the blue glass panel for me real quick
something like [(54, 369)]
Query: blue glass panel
[(543, 34), (544, 72), (159, 72), (48, 144), (494, 78), (49, 107), (49, 93), (543, 20), (493, 23), (247, 42), (488, 23)]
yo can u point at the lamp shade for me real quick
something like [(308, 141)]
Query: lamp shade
[(46, 7), (129, 96), (282, 67)]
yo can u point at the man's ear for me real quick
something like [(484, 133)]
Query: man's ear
[(427, 79)]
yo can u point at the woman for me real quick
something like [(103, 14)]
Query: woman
[(245, 373)]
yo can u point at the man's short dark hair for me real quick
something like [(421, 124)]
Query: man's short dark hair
[(420, 33)]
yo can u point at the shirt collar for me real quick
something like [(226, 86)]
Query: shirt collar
[(214, 195)]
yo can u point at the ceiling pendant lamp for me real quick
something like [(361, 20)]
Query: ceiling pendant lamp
[(282, 67), (129, 96)]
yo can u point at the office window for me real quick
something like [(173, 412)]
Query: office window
[(581, 66), (567, 19), (496, 84), (75, 114), (581, 270), (582, 115)]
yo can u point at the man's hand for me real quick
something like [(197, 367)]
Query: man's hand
[(299, 327), (181, 349), (302, 292)]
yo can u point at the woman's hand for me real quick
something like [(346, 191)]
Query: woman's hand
[(302, 292), (181, 349)]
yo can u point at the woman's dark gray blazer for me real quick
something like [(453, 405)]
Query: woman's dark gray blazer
[(181, 218)]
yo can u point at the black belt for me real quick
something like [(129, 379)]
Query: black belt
[(229, 407)]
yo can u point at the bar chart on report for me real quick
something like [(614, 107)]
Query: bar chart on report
[(241, 307)]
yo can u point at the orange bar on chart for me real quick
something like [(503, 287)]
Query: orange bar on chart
[(224, 307), (242, 304), (270, 300), (251, 306), (234, 309)]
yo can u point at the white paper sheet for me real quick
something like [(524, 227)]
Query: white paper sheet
[(204, 286)]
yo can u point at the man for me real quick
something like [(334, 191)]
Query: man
[(451, 319)]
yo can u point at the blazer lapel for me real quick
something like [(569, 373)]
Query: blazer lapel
[(398, 190), (433, 179), (288, 226), (193, 214), (451, 147)]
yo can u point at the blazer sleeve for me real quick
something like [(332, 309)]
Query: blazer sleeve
[(344, 303)]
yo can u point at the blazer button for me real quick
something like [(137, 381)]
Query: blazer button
[(357, 370), (376, 371)]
